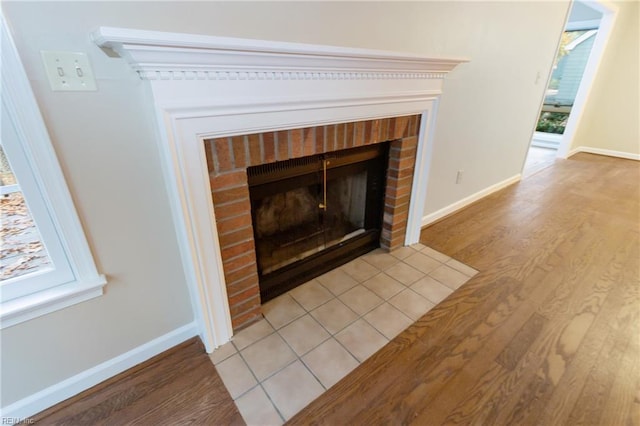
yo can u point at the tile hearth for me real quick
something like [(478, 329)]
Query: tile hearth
[(314, 335)]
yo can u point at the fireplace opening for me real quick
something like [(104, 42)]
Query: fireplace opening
[(315, 213)]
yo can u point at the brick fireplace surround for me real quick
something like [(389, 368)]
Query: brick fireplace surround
[(227, 162), (287, 100)]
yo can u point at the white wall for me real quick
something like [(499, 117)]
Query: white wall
[(610, 118), (106, 143), (490, 105)]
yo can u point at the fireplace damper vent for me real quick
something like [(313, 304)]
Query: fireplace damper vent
[(315, 213)]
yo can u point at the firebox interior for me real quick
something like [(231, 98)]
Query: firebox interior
[(315, 213)]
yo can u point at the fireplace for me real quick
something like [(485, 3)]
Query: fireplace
[(315, 213), (242, 165), (225, 104)]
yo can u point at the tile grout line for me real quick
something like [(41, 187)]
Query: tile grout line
[(336, 297)]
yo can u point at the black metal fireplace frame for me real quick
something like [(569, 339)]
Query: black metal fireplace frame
[(266, 179)]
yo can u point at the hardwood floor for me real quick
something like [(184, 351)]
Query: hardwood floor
[(179, 386), (546, 334)]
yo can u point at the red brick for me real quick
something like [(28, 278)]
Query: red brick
[(237, 250), (244, 320), (320, 143), (393, 181), (268, 147), (369, 132), (222, 155), (349, 135), (295, 137), (283, 145), (234, 223), (394, 245), (243, 284), (395, 145), (407, 153), (308, 141), (396, 192), (400, 126), (383, 132), (232, 209), (414, 126), (358, 134), (208, 151), (243, 296), (236, 237), (405, 163), (373, 130), (410, 142), (239, 152), (399, 222), (401, 174), (229, 195), (228, 180), (341, 131), (245, 271), (397, 200), (245, 305), (392, 208), (239, 262), (255, 152), (330, 136)]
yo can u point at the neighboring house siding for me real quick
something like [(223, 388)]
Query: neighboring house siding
[(574, 64)]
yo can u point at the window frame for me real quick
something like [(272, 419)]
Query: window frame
[(81, 281)]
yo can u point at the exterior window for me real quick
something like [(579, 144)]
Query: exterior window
[(32, 258), (45, 261), (22, 251)]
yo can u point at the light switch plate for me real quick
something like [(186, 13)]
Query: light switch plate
[(68, 71)]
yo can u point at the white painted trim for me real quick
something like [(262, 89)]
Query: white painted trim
[(162, 55), (582, 25), (67, 388), (82, 279), (421, 175), (46, 301), (609, 14), (458, 205), (575, 43), (9, 189), (607, 152), (205, 87)]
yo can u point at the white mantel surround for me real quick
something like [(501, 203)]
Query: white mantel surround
[(206, 87)]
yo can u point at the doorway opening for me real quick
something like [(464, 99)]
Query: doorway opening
[(579, 52)]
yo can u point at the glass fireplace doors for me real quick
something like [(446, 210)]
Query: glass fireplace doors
[(315, 213)]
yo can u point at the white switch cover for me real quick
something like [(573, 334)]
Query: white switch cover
[(69, 71)]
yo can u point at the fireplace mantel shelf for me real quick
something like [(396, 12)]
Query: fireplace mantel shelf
[(159, 55), (208, 87)]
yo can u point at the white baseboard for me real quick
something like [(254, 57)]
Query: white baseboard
[(65, 389), (452, 208), (607, 152)]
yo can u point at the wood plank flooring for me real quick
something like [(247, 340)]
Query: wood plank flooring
[(179, 386), (546, 334)]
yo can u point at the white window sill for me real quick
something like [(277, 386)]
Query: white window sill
[(41, 303)]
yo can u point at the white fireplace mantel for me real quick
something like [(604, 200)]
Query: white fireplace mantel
[(206, 86)]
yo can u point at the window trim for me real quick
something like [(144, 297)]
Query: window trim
[(22, 108)]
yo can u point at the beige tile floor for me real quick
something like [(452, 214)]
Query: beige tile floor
[(314, 335)]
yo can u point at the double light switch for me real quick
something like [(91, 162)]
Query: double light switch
[(69, 71)]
